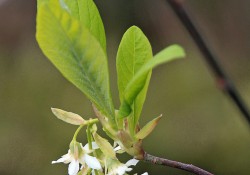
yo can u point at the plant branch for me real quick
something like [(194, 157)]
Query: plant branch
[(174, 164), (222, 78)]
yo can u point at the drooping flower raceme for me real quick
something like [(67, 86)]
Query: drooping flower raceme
[(77, 154)]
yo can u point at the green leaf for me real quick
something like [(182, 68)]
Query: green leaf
[(87, 13), (134, 51), (104, 145), (148, 128), (68, 117), (137, 83), (76, 54), (39, 2)]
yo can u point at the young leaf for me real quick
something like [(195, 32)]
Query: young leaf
[(134, 51), (76, 53), (87, 13), (68, 117), (137, 83), (104, 145), (148, 128)]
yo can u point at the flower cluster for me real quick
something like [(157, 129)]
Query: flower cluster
[(80, 155), (98, 156)]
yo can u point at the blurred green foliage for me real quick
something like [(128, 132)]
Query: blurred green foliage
[(200, 125)]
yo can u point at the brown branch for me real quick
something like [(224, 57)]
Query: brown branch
[(222, 78), (174, 164)]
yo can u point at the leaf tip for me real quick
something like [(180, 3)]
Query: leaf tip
[(134, 28), (148, 128), (54, 110), (179, 50)]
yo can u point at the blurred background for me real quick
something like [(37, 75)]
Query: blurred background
[(200, 124)]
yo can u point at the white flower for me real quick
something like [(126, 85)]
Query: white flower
[(146, 173), (120, 168), (77, 154)]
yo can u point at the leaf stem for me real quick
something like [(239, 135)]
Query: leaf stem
[(174, 164), (222, 78)]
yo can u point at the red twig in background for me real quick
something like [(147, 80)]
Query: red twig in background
[(222, 79)]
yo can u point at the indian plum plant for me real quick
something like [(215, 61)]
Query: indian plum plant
[(71, 34)]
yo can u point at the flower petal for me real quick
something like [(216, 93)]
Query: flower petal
[(65, 158), (59, 160), (94, 145), (121, 169), (92, 162), (129, 169), (73, 167), (117, 148), (86, 147), (146, 173), (132, 162)]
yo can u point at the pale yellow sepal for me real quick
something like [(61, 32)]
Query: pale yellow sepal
[(148, 128), (68, 117), (104, 145)]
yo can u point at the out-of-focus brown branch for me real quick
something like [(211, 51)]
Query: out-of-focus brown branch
[(174, 164), (222, 78), (2, 2)]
